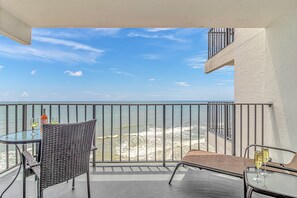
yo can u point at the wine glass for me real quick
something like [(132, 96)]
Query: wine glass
[(34, 123), (265, 159), (54, 120), (258, 164)]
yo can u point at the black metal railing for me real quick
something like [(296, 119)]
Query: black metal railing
[(146, 132), (220, 119), (218, 39)]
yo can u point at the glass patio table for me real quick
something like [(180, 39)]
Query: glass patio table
[(276, 184), (20, 138)]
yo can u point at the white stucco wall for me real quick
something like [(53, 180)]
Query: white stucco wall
[(221, 59), (249, 65), (281, 79), (266, 71), (249, 83)]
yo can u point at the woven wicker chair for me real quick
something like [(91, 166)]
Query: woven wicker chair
[(65, 154)]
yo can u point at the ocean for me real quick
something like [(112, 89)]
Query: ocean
[(134, 138)]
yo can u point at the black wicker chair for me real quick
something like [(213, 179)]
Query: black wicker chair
[(65, 154)]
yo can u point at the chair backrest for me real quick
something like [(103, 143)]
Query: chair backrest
[(293, 163), (65, 151)]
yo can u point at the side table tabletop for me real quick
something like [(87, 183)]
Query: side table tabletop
[(276, 184), (20, 138)]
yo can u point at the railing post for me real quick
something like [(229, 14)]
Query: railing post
[(6, 130), (164, 135), (225, 127), (227, 35), (234, 131), (209, 44), (216, 128), (24, 124), (207, 126), (94, 138)]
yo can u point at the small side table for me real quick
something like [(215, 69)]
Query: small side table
[(276, 184), (19, 138)]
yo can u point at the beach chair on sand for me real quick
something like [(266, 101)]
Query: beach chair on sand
[(230, 165)]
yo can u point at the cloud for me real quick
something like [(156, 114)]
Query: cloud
[(182, 35), (70, 33), (24, 95), (73, 73), (96, 95), (117, 71), (48, 54), (159, 29), (107, 31), (85, 33), (182, 84), (152, 79), (170, 37), (4, 94), (150, 56), (196, 62), (225, 81), (33, 72), (1, 67), (72, 44)]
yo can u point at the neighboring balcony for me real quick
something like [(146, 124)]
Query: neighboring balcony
[(218, 39), (220, 48)]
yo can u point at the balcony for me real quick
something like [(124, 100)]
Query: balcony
[(220, 48), (136, 138), (142, 141), (218, 39), (148, 132)]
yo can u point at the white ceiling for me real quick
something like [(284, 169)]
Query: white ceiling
[(147, 13)]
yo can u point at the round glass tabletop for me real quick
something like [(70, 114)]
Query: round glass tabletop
[(276, 182), (22, 137)]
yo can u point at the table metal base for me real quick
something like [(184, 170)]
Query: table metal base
[(18, 172)]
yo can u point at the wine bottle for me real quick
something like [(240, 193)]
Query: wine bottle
[(43, 120)]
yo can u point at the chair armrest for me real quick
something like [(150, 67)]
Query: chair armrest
[(270, 147), (29, 159), (282, 167), (275, 164), (34, 165), (93, 148)]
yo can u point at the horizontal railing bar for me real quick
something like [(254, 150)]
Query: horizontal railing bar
[(134, 165), (137, 103), (132, 162), (12, 167)]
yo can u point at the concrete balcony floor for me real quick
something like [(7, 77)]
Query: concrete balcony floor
[(135, 182)]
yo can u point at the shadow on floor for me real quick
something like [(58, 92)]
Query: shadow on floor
[(136, 182)]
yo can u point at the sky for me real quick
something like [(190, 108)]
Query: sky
[(111, 64)]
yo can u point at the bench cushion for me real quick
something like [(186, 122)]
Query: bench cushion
[(226, 164)]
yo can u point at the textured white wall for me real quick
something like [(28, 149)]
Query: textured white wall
[(249, 83), (266, 71), (223, 58), (249, 65), (281, 78)]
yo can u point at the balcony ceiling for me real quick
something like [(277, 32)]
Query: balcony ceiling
[(137, 13), (147, 13)]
